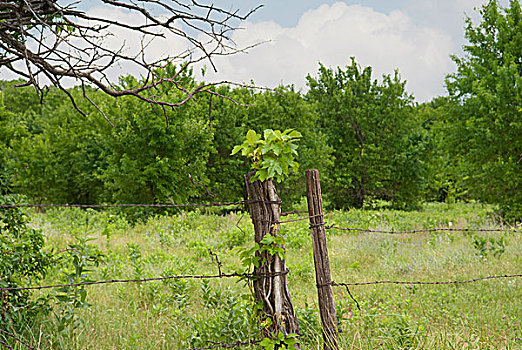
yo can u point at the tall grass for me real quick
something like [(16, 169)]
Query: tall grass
[(192, 313)]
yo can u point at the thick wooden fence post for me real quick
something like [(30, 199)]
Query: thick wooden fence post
[(322, 263), (270, 284)]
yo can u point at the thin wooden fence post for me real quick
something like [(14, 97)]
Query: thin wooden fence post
[(322, 263), (270, 283)]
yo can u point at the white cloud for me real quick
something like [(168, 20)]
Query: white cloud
[(331, 35)]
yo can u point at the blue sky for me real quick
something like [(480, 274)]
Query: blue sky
[(416, 37)]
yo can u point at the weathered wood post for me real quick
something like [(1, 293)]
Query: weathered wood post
[(270, 284), (322, 263)]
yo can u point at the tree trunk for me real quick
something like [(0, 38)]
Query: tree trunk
[(270, 285)]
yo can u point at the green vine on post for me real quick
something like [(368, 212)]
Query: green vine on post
[(273, 157)]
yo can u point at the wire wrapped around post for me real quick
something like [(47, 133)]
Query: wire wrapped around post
[(272, 291), (322, 263)]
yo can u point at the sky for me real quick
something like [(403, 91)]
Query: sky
[(415, 37)]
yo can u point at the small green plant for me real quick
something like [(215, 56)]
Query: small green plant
[(273, 245), (483, 245), (135, 256), (281, 342), (273, 157), (24, 262), (80, 258)]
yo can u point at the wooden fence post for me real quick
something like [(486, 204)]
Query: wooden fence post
[(322, 263), (270, 284)]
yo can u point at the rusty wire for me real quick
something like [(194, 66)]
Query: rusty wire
[(272, 222), (329, 227), (222, 275), (478, 279), (7, 206), (224, 345), (297, 212), (15, 338), (6, 345)]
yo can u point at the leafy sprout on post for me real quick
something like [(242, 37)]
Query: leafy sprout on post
[(272, 157)]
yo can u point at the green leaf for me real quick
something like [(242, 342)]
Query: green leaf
[(252, 137), (278, 169), (236, 149), (262, 174), (268, 134), (271, 172), (267, 344), (268, 239), (280, 336), (290, 341)]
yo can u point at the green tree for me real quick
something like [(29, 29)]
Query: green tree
[(58, 157), (445, 179), (150, 161), (283, 108), (66, 157), (370, 125), (487, 125)]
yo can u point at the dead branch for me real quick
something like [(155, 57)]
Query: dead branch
[(49, 43)]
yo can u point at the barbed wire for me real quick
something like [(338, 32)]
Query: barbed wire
[(478, 279), (89, 283), (15, 338), (6, 345), (297, 212), (224, 345), (166, 205), (296, 220), (329, 227), (215, 345), (293, 220)]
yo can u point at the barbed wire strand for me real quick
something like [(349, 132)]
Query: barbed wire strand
[(343, 284), (89, 283), (329, 227), (165, 205), (6, 345), (291, 220), (296, 212), (15, 338), (224, 345)]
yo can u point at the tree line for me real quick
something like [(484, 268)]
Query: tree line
[(368, 137)]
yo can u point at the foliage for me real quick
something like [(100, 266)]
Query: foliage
[(77, 266), (377, 145), (283, 108), (149, 161), (445, 176), (22, 262), (64, 157), (58, 156), (280, 342), (273, 157), (494, 245), (10, 130), (192, 313), (251, 257), (487, 121)]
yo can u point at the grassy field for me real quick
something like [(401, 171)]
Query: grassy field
[(178, 314)]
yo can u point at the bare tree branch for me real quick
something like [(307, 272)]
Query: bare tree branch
[(46, 42)]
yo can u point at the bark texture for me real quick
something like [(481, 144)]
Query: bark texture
[(270, 286), (321, 260)]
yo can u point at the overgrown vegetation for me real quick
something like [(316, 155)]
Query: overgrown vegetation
[(191, 313), (380, 155)]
